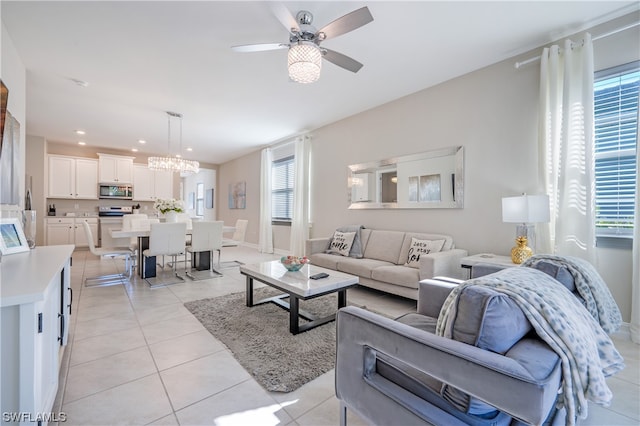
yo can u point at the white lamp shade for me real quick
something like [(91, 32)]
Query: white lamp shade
[(526, 209)]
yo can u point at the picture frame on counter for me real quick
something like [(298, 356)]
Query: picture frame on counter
[(12, 238)]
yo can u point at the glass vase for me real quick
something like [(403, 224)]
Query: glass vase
[(29, 227)]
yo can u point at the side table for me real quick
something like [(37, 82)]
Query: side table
[(497, 260)]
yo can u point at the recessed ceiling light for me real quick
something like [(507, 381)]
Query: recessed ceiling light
[(80, 132), (134, 149), (189, 149), (82, 143), (142, 141)]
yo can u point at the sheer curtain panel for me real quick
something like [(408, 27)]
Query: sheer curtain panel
[(266, 230), (300, 219), (566, 167)]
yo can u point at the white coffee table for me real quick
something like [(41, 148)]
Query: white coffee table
[(297, 286)]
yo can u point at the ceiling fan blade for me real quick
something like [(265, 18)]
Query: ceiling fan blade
[(341, 60), (259, 47), (348, 22), (285, 17)]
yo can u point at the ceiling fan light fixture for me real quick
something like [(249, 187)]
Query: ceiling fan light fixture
[(304, 62)]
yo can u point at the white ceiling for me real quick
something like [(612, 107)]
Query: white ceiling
[(142, 59)]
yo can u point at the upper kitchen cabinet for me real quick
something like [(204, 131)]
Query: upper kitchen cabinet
[(149, 185), (71, 177), (115, 168)]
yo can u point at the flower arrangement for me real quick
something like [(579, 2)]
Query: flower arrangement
[(164, 206)]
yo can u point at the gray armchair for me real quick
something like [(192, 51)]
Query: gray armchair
[(492, 368), (398, 372)]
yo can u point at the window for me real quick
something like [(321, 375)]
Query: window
[(200, 199), (282, 189), (616, 132)]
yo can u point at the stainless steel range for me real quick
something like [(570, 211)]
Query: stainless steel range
[(111, 218)]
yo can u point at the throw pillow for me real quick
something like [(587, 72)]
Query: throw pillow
[(341, 243), (419, 247)]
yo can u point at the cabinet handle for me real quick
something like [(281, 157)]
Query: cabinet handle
[(62, 325), (70, 299)]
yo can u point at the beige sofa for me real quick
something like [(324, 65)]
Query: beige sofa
[(385, 253)]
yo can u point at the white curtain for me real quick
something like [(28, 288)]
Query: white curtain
[(566, 166), (635, 279), (300, 220), (265, 242)]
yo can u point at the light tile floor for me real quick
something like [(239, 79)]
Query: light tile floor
[(137, 356)]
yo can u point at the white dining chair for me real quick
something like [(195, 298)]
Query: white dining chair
[(128, 222), (206, 237), (112, 252), (167, 239), (238, 235)]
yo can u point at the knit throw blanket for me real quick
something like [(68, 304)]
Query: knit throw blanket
[(593, 291), (586, 351)]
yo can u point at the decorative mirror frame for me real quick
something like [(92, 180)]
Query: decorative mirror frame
[(426, 180)]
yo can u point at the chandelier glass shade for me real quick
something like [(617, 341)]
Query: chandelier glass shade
[(174, 163), (304, 62)]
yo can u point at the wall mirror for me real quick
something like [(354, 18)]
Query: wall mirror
[(426, 180)]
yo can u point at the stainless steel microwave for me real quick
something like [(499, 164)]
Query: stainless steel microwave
[(120, 192)]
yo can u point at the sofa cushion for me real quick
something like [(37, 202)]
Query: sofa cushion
[(406, 244), (357, 248), (559, 272), (384, 245), (360, 267), (341, 243), (419, 247), (397, 274), (488, 319), (325, 260)]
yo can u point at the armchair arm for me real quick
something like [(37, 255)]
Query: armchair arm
[(315, 245), (445, 263), (431, 296), (366, 341)]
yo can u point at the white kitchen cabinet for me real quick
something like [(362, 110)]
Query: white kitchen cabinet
[(60, 230), (71, 177), (80, 238), (35, 311), (149, 185), (143, 183), (164, 184), (115, 168), (66, 230)]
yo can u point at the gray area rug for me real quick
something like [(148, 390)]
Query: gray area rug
[(260, 340)]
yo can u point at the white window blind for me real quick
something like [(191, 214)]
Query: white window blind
[(616, 132), (282, 189)]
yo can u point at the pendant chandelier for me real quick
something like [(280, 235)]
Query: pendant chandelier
[(175, 163)]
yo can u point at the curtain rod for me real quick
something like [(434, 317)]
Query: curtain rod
[(517, 65)]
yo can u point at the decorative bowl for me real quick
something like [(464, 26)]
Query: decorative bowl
[(293, 263)]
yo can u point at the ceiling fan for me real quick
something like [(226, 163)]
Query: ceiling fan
[(305, 53)]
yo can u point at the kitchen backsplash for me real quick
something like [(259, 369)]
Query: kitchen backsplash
[(90, 207)]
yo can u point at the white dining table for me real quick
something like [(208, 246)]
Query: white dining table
[(147, 267)]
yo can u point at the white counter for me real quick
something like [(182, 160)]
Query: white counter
[(24, 277)]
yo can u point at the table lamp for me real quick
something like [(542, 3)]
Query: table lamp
[(525, 210)]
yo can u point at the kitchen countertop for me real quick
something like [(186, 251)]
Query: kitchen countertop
[(26, 276)]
